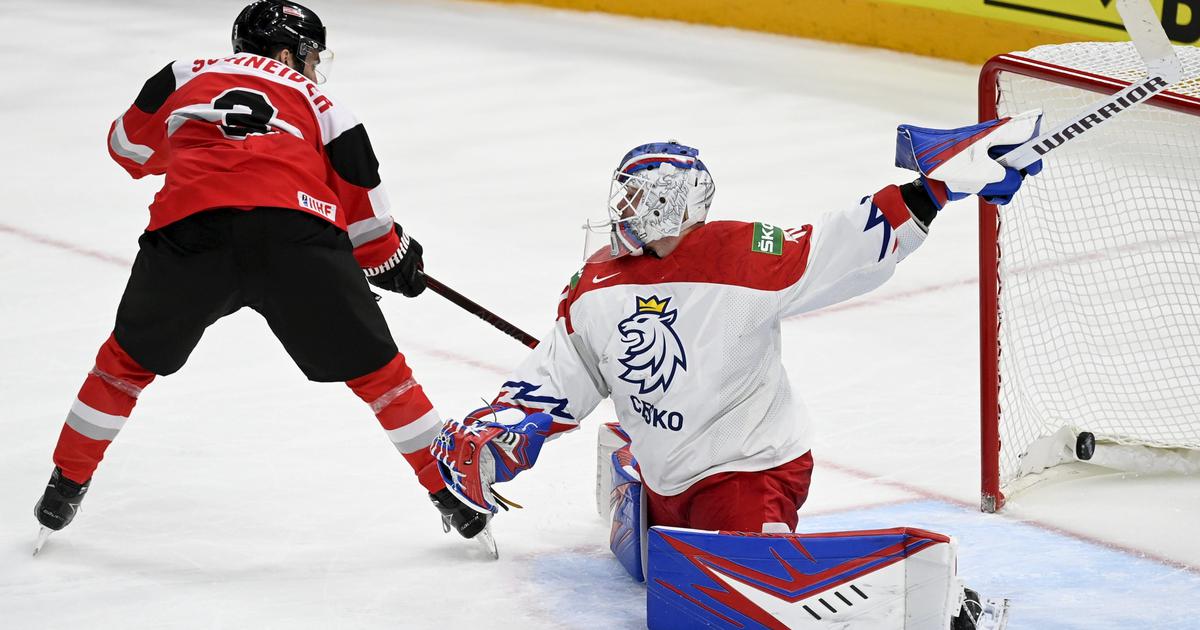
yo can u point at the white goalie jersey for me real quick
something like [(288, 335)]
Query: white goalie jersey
[(688, 346)]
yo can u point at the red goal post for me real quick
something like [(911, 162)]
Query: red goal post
[(1116, 215)]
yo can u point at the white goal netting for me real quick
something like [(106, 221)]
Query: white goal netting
[(1099, 299)]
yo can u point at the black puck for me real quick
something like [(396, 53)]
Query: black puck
[(1085, 446)]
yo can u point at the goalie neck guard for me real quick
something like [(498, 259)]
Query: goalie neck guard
[(658, 190)]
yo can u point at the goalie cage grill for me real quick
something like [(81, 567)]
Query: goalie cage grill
[(1090, 279)]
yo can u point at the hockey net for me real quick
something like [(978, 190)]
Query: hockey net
[(1090, 279)]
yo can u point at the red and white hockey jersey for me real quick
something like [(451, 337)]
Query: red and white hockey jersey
[(688, 346), (247, 131)]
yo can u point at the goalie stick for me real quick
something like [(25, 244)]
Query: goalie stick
[(1164, 69)]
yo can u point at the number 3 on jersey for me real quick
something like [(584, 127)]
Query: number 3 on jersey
[(250, 112)]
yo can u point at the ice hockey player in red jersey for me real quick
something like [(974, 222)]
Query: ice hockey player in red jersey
[(677, 320), (272, 200)]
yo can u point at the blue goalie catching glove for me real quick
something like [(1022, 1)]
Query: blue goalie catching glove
[(490, 445), (954, 163)]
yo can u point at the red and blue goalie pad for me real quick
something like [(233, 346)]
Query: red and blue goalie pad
[(703, 579), (628, 513)]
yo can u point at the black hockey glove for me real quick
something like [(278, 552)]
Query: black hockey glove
[(456, 515), (402, 272)]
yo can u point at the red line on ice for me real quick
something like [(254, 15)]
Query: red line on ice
[(871, 300), (65, 246)]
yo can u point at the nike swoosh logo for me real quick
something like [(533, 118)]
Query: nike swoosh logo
[(598, 279)]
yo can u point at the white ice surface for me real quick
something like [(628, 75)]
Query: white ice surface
[(241, 495)]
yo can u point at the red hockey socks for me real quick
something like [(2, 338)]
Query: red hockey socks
[(406, 414), (101, 409), (111, 389)]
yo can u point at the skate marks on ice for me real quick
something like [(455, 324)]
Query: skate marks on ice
[(1054, 580), (583, 588)]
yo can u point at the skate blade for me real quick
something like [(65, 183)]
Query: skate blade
[(488, 542), (43, 536), (994, 615)]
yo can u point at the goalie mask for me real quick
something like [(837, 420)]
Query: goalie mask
[(657, 191)]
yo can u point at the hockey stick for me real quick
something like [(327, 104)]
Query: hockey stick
[(1164, 69), (482, 313)]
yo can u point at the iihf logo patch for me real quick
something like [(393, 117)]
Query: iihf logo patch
[(653, 352), (308, 202)]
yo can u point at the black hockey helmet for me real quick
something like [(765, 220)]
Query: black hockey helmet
[(267, 26)]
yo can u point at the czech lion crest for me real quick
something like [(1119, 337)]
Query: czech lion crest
[(653, 351)]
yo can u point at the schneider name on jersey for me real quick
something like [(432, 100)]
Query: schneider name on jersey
[(247, 131), (688, 346)]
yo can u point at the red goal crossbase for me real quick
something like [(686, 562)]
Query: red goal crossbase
[(990, 283)]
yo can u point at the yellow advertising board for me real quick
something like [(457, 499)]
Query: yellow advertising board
[(1094, 19), (967, 30)]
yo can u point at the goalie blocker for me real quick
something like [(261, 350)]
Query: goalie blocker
[(885, 579)]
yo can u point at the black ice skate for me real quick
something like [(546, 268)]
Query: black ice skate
[(980, 614), (467, 522), (972, 609), (58, 505)]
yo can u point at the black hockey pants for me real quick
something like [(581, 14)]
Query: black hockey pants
[(295, 270)]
